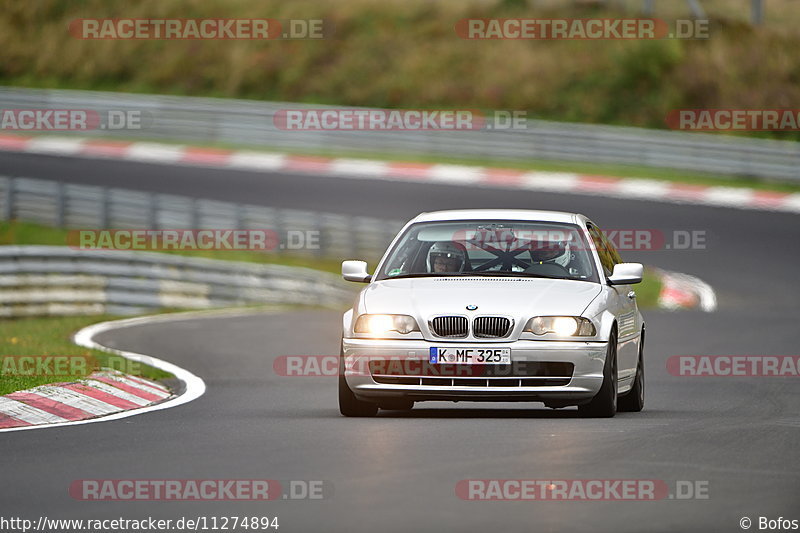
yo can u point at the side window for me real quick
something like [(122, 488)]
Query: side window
[(599, 241), (611, 249)]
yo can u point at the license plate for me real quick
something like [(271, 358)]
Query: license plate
[(470, 356)]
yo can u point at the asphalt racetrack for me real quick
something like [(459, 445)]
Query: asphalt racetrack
[(398, 472)]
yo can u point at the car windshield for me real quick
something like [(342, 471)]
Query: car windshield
[(491, 248)]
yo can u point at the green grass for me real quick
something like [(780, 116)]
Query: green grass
[(51, 336), (648, 290)]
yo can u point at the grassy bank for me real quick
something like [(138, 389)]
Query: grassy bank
[(407, 54), (51, 336)]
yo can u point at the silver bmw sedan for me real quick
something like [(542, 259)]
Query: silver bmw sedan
[(495, 305)]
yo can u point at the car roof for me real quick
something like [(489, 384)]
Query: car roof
[(499, 214)]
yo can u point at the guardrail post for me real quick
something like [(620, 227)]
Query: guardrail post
[(352, 237), (61, 205), (105, 208), (8, 206), (279, 230), (697, 9), (152, 211), (239, 211), (194, 214), (321, 234), (757, 12)]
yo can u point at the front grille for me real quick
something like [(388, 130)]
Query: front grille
[(491, 326), (474, 382), (449, 326), (518, 374)]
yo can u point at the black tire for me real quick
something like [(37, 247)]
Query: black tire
[(396, 405), (349, 405), (604, 404), (633, 401)]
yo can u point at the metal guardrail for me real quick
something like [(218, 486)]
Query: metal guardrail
[(58, 280), (244, 122), (68, 205)]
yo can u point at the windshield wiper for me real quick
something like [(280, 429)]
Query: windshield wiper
[(517, 274), (472, 274), (415, 275)]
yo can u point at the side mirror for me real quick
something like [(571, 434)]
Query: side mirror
[(355, 271), (626, 274)]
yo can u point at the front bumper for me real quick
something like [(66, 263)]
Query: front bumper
[(583, 383)]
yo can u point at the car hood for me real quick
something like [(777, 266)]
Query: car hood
[(520, 298)]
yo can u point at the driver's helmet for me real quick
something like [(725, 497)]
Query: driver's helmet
[(448, 251), (557, 252)]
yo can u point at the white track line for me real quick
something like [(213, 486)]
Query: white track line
[(75, 399), (155, 153), (359, 167), (113, 391), (56, 145), (136, 385), (257, 161), (147, 382), (28, 413), (455, 174)]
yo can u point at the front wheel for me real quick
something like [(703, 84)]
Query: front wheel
[(349, 405), (604, 404), (633, 401)]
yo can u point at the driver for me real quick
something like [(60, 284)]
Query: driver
[(446, 257), (544, 252)]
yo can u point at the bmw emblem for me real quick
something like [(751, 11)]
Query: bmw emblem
[(472, 307)]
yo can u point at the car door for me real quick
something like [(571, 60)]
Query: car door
[(622, 303)]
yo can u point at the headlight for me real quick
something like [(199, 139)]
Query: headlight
[(563, 326), (383, 324)]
